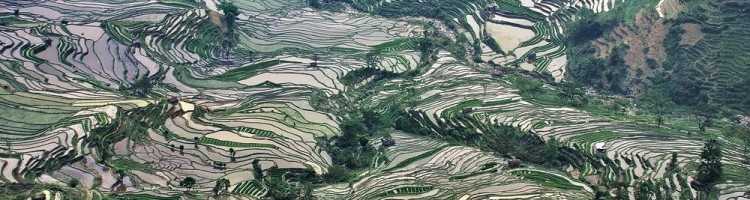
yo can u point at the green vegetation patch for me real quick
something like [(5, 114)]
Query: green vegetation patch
[(15, 21), (225, 143), (406, 191), (514, 6), (476, 173), (259, 132), (474, 103), (128, 164), (416, 158), (398, 44), (249, 187), (183, 74)]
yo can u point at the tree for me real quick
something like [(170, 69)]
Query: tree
[(105, 155), (166, 134), (222, 184), (188, 182), (315, 61), (7, 143), (197, 140), (572, 93), (182, 148), (231, 153), (336, 174), (280, 189), (257, 170), (621, 193), (230, 12), (16, 12), (709, 170), (602, 195), (685, 194), (643, 191), (314, 4), (704, 114), (363, 141), (659, 105), (425, 46), (349, 130), (171, 147), (551, 151), (584, 28), (141, 87), (120, 175), (73, 182), (529, 86), (673, 164), (373, 57)]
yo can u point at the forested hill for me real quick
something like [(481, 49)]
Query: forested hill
[(691, 51)]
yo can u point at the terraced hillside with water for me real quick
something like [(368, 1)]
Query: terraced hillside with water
[(362, 99)]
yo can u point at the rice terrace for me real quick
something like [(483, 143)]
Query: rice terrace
[(374, 99)]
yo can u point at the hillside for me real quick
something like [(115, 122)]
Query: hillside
[(374, 99)]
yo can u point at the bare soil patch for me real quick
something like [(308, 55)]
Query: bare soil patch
[(508, 37), (692, 34), (670, 8), (602, 47), (594, 178), (218, 19), (655, 38), (641, 42)]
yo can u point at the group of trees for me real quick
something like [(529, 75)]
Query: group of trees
[(230, 13), (573, 94), (604, 74), (586, 27), (228, 41), (141, 87), (132, 124), (351, 150), (222, 185), (659, 105), (662, 106), (505, 140)]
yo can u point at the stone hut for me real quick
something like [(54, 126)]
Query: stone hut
[(467, 110), (387, 142), (497, 73), (514, 163)]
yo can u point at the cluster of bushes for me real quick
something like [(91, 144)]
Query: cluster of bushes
[(351, 150), (603, 74)]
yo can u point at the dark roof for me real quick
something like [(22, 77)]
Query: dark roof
[(173, 100)]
